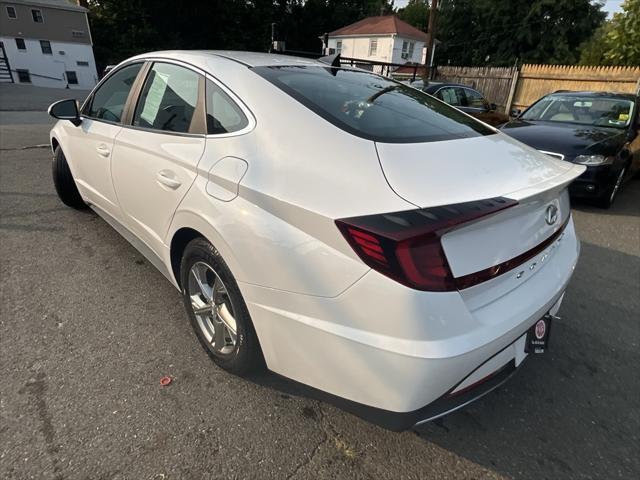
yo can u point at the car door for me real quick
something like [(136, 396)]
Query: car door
[(157, 154), (91, 143)]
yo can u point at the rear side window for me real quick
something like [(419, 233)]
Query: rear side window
[(223, 115), (371, 106), (109, 100), (168, 99)]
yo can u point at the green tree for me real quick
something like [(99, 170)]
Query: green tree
[(415, 13), (623, 38), (493, 32)]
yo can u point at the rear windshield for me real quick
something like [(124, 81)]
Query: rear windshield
[(371, 106)]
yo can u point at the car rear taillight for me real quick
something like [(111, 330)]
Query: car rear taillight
[(406, 246)]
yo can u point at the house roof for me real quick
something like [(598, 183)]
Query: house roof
[(385, 25)]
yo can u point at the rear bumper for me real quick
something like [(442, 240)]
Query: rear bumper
[(394, 355)]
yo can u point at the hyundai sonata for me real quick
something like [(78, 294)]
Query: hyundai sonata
[(357, 235)]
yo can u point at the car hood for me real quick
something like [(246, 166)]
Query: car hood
[(568, 139), (455, 171)]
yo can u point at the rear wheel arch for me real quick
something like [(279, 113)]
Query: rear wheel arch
[(179, 242)]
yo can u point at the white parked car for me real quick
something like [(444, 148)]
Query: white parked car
[(358, 235)]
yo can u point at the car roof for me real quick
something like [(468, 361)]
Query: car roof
[(570, 93), (437, 86), (250, 59)]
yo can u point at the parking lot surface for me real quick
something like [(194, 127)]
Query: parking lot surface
[(88, 327)]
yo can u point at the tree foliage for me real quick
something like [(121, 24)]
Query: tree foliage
[(122, 28), (471, 32), (495, 32), (415, 13), (617, 42)]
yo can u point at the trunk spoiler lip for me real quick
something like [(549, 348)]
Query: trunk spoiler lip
[(556, 183)]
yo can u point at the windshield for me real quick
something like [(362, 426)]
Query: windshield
[(587, 110), (371, 106)]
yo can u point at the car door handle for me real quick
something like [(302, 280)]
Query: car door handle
[(103, 150), (167, 177)]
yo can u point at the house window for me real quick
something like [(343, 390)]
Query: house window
[(405, 49), (37, 16), (23, 75), (339, 46), (77, 33), (72, 78), (20, 44), (82, 63), (373, 48), (45, 45), (11, 12), (411, 47)]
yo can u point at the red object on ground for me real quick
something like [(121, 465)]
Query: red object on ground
[(166, 380)]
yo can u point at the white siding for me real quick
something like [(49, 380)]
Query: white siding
[(358, 47), (417, 56), (48, 70)]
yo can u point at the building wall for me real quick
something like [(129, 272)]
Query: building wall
[(58, 24), (389, 48), (66, 28), (358, 47), (49, 70)]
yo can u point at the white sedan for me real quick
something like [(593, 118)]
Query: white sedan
[(355, 234)]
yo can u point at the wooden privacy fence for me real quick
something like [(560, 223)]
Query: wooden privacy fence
[(535, 81), (493, 82), (520, 87)]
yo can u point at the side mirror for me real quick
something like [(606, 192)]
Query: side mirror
[(66, 110), (515, 112)]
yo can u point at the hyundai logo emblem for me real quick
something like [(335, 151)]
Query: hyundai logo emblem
[(551, 215)]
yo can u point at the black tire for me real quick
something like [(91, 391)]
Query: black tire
[(64, 182), (246, 355), (607, 198)]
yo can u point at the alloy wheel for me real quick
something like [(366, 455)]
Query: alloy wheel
[(213, 309)]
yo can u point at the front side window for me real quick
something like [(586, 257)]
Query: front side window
[(72, 78), (223, 115), (20, 44), (371, 106), (168, 99), (11, 12), (373, 48), (23, 75), (474, 99), (45, 45), (37, 16), (109, 100), (586, 110)]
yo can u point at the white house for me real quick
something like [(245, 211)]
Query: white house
[(383, 39), (46, 43)]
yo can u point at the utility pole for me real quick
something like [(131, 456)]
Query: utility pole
[(431, 38)]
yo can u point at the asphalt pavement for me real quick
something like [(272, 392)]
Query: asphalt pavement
[(88, 327)]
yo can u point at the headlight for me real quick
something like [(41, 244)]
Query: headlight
[(593, 160)]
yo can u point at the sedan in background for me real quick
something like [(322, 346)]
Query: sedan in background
[(468, 100), (595, 129)]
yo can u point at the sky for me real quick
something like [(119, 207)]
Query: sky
[(610, 6)]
